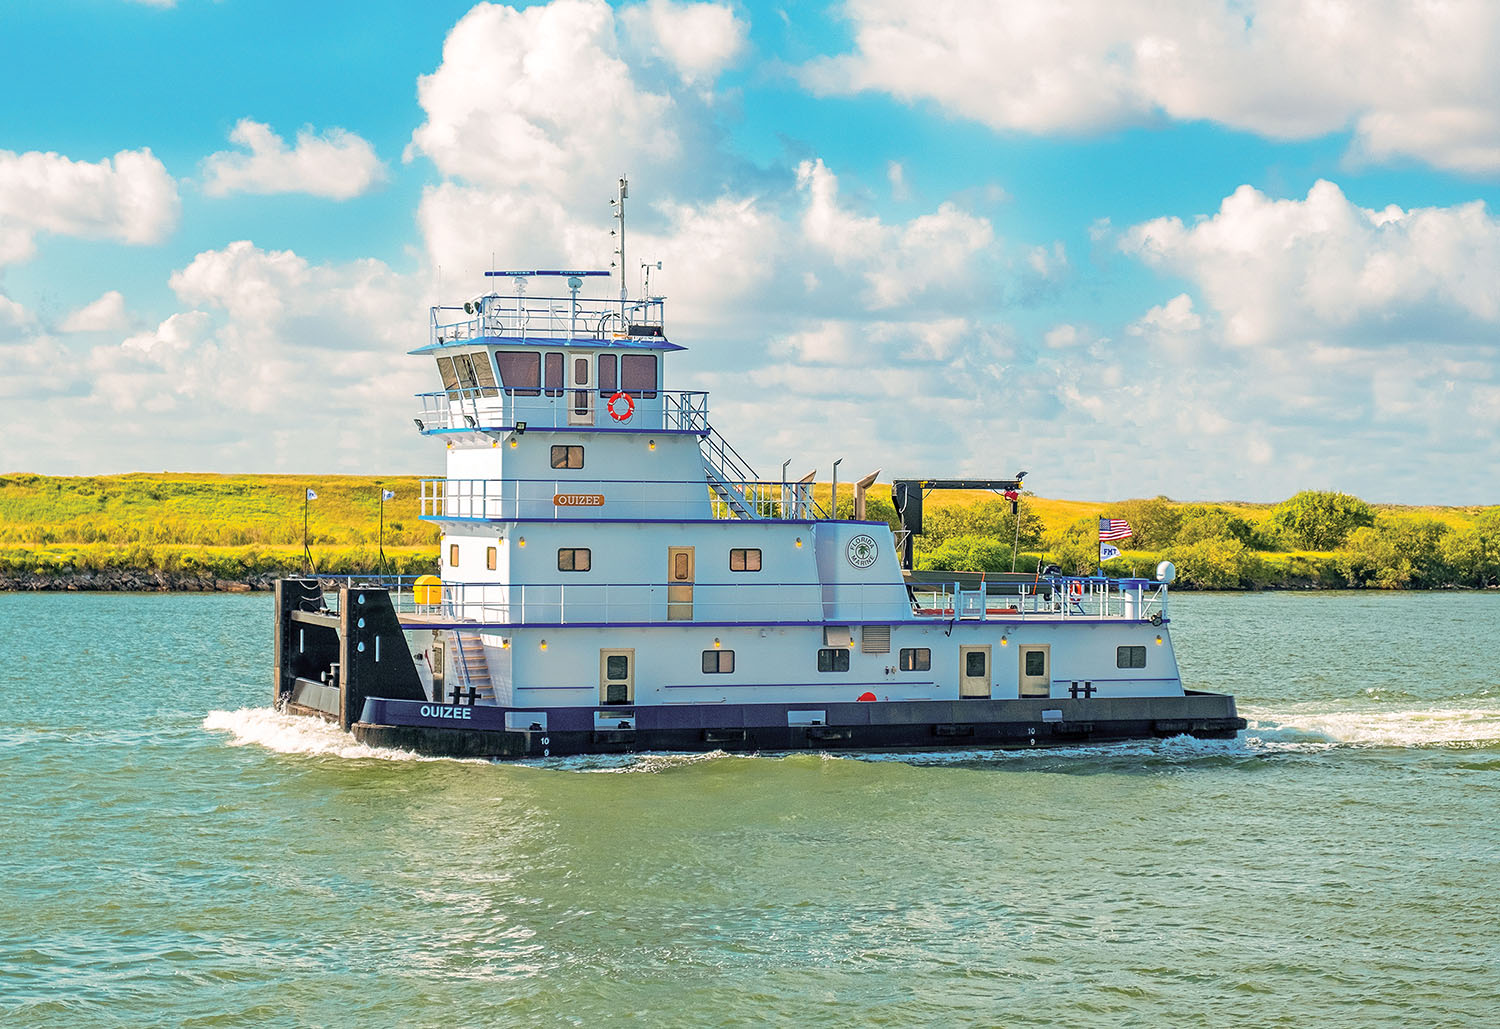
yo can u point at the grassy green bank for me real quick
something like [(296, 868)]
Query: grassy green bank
[(206, 531)]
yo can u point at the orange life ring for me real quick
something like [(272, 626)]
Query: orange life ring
[(615, 405), (1077, 588)]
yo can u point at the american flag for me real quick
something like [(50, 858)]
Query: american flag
[(1113, 529)]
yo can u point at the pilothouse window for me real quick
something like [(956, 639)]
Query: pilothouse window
[(609, 369), (520, 372), (553, 369), (638, 374)]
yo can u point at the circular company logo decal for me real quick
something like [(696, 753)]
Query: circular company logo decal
[(862, 551)]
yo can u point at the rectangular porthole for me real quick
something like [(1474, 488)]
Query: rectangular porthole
[(567, 457), (1130, 657), (744, 560), (573, 559), (491, 557), (453, 555), (832, 659), (916, 659), (718, 661)]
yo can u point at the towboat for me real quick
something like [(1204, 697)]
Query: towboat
[(616, 577)]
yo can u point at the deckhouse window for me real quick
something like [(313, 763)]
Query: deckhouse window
[(638, 374), (744, 560), (491, 557), (717, 661), (567, 457), (520, 371), (1130, 657), (916, 659), (833, 659), (552, 371), (453, 555), (573, 559), (609, 374)]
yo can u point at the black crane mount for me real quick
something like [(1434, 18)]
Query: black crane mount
[(907, 495)]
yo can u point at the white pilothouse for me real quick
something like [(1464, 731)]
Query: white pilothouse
[(615, 576)]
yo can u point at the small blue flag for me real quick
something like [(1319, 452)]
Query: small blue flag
[(311, 495), (387, 494)]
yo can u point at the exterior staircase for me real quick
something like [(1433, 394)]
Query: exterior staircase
[(468, 667), (729, 475)]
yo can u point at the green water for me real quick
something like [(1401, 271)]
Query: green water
[(171, 853)]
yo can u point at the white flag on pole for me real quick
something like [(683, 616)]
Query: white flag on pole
[(1108, 551), (310, 494), (387, 494)]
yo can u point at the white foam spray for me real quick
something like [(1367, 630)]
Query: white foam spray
[(295, 734)]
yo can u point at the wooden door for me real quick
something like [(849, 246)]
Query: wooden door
[(617, 676), (679, 584)]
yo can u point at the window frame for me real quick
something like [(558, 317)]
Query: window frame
[(492, 558), (453, 555), (1128, 653), (837, 659), (915, 659), (573, 552), (568, 455), (744, 553), (717, 657)]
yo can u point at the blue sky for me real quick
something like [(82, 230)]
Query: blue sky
[(1214, 250)]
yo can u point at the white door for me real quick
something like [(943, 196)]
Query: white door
[(617, 676), (581, 399), (1036, 671), (974, 672)]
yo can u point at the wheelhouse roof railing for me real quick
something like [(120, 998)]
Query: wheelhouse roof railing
[(553, 318)]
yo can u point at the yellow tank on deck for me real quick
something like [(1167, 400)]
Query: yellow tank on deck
[(428, 589)]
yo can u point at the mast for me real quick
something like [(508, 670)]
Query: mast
[(619, 205)]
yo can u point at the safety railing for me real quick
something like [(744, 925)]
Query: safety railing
[(1050, 597), (653, 603), (557, 407), (563, 318), (562, 499)]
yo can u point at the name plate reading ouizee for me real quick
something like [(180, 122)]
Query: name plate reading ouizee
[(577, 500)]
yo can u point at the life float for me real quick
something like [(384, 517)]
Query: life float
[(621, 406), (1077, 589)]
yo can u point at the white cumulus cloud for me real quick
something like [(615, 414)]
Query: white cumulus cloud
[(699, 40), (337, 164), (107, 314), (129, 198), (540, 98), (1323, 267), (1410, 80)]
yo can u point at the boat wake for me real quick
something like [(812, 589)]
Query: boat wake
[(1298, 729), (1312, 725), (294, 734)]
